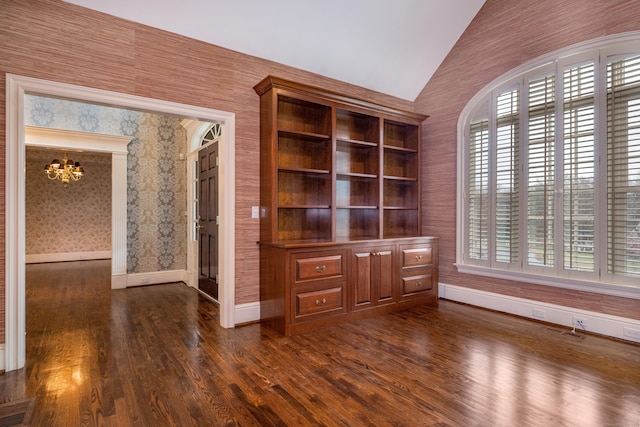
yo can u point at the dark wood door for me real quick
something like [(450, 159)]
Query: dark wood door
[(208, 213)]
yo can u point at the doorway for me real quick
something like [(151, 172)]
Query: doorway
[(17, 87)]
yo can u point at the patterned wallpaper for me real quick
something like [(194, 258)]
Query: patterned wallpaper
[(77, 216), (156, 179)]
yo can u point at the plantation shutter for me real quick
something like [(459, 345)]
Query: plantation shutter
[(541, 171), (623, 167), (579, 167), (507, 168), (478, 191)]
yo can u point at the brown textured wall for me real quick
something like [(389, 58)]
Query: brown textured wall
[(57, 41), (505, 34)]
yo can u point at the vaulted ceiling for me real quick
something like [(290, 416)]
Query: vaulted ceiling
[(390, 46)]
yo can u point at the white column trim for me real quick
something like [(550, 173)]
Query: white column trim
[(119, 220)]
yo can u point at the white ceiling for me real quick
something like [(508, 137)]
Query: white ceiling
[(390, 46)]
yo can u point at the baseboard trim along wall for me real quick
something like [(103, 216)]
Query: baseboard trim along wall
[(67, 256), (156, 277), (599, 323), (247, 313)]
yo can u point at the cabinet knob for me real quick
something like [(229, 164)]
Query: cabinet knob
[(418, 284), (418, 257), (321, 302), (320, 268)]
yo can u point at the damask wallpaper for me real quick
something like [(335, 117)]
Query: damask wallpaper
[(156, 178), (77, 216)]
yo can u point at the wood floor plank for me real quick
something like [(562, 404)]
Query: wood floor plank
[(156, 356)]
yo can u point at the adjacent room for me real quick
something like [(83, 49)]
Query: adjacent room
[(357, 212)]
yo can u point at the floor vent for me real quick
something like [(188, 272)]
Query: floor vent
[(17, 413)]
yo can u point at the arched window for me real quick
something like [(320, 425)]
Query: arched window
[(549, 171), (213, 134)]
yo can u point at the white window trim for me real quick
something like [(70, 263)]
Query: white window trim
[(609, 45)]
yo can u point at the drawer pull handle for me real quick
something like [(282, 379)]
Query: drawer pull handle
[(418, 257), (418, 284), (321, 302), (320, 268)]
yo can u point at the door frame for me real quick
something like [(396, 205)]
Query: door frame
[(195, 132), (16, 87)]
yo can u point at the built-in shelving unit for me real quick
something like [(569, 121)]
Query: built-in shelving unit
[(334, 171)]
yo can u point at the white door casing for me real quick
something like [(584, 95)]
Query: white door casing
[(16, 88)]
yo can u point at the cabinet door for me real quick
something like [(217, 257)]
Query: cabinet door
[(372, 276)]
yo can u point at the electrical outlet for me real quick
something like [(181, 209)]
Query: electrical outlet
[(633, 334), (255, 211), (580, 323), (538, 313)]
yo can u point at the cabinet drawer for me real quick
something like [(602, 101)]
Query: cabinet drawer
[(413, 284), (319, 267), (321, 301), (415, 257)]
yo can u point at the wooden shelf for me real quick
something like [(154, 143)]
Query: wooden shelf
[(304, 135), (400, 178), (304, 207), (304, 170), (356, 143), (356, 175), (392, 148)]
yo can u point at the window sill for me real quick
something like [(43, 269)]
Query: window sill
[(556, 282)]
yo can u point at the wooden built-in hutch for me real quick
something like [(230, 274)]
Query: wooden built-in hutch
[(340, 209)]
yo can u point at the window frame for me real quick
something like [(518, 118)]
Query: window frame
[(600, 52)]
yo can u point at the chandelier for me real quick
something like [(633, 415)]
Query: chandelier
[(65, 171)]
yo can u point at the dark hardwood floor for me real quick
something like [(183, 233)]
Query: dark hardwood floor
[(156, 356)]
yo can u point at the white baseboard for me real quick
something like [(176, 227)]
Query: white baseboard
[(67, 256), (247, 313), (156, 277), (118, 281), (599, 323)]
